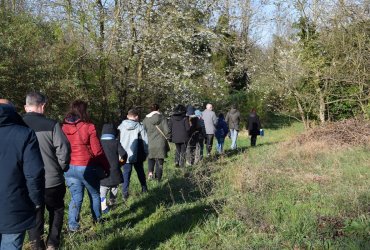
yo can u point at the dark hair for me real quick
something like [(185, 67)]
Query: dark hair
[(133, 112), (154, 107), (253, 110), (180, 108), (35, 99), (78, 108), (221, 116)]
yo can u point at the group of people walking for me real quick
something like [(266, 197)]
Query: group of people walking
[(39, 158)]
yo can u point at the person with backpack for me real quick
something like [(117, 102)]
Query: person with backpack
[(179, 129), (221, 133), (22, 178), (156, 126), (254, 126), (134, 141), (233, 121), (55, 152), (195, 133), (116, 155), (201, 138)]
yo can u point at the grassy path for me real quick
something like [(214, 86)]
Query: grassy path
[(272, 196)]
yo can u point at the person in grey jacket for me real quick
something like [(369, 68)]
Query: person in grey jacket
[(233, 121), (210, 122), (134, 141), (55, 151)]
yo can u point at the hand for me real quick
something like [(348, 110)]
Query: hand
[(107, 173)]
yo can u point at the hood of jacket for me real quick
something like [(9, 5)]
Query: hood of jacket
[(128, 125), (9, 116), (155, 119), (178, 116), (74, 123), (109, 128), (233, 111)]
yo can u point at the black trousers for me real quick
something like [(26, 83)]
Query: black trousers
[(253, 140), (157, 165), (180, 154), (127, 169), (54, 203), (209, 143)]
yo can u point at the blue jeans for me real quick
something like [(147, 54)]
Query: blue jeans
[(11, 241), (77, 178), (234, 137), (220, 145)]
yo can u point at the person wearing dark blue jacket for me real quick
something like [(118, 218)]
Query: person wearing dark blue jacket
[(21, 178), (221, 132)]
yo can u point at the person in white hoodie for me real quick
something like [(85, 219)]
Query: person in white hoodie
[(134, 140)]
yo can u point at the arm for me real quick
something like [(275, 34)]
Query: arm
[(33, 169), (187, 124), (62, 147), (144, 136), (121, 151), (166, 129), (170, 129), (97, 149), (214, 119)]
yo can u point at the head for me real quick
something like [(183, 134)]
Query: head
[(154, 107), (221, 116), (35, 102), (253, 110), (78, 108), (133, 115), (209, 106), (7, 103), (180, 109), (233, 106)]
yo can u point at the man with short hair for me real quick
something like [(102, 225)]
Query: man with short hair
[(233, 121), (134, 140), (55, 151), (21, 177), (210, 122)]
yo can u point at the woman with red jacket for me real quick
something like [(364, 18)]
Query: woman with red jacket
[(86, 154)]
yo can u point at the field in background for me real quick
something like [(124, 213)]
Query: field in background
[(280, 194)]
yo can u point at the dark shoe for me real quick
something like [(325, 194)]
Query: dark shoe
[(125, 196), (144, 189), (105, 211)]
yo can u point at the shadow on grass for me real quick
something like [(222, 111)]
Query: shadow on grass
[(177, 223), (178, 190)]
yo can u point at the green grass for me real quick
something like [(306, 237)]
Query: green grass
[(274, 196)]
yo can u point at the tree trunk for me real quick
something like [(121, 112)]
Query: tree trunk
[(301, 111), (322, 106)]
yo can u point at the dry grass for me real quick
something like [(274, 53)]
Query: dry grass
[(352, 132)]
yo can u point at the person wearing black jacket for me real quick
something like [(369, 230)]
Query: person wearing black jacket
[(21, 177), (254, 126), (179, 129), (56, 154), (116, 155)]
